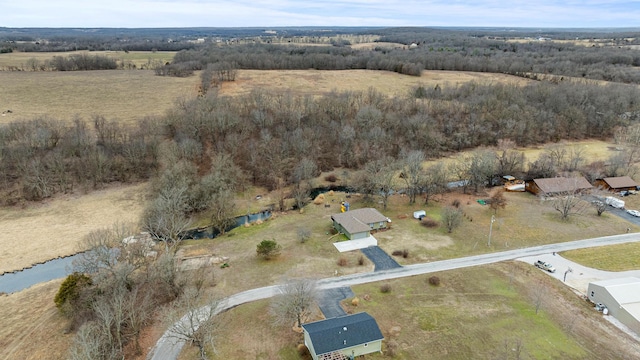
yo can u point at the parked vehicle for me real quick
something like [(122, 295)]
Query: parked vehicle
[(544, 266), (614, 202), (635, 213)]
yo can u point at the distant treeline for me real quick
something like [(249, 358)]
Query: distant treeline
[(438, 51)]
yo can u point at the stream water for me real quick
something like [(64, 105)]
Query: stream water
[(50, 270)]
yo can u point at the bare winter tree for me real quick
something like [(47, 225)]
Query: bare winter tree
[(451, 217), (569, 203), (165, 218), (382, 175), (192, 321), (295, 302), (435, 180), (413, 173)]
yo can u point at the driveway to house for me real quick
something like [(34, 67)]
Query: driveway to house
[(169, 346), (329, 301), (381, 259)]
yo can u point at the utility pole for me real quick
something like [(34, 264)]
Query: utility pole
[(493, 218)]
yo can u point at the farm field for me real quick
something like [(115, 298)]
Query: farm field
[(138, 58), (122, 95), (316, 82)]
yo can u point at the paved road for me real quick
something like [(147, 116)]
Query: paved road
[(168, 348)]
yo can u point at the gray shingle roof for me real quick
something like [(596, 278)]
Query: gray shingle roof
[(620, 182), (342, 332), (355, 221), (562, 184)]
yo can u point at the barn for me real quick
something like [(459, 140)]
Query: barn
[(557, 185), (617, 184), (357, 224), (344, 337), (621, 296)]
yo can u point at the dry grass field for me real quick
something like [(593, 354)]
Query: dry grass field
[(138, 58), (123, 95), (43, 231), (317, 82)]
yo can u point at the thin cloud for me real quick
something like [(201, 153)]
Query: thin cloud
[(271, 13)]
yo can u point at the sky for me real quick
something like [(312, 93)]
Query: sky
[(274, 13)]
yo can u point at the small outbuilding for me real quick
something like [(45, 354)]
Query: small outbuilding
[(617, 184), (557, 186), (621, 297), (419, 214), (343, 337), (357, 224)]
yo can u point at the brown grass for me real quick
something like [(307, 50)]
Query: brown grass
[(54, 228), (139, 58), (123, 95), (317, 82), (32, 326)]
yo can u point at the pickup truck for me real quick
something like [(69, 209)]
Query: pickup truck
[(544, 266)]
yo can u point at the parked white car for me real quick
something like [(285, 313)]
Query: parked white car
[(635, 213)]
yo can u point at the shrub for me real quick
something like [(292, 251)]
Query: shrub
[(456, 203), (70, 288), (268, 249), (304, 234), (355, 301), (331, 178), (434, 280), (391, 348), (429, 223), (397, 253), (342, 261), (385, 288), (361, 260), (405, 253)]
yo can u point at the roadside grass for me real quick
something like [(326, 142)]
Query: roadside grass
[(139, 58), (481, 313), (121, 95), (621, 257)]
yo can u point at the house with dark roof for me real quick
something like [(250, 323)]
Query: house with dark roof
[(357, 224), (344, 337), (617, 184), (557, 186)]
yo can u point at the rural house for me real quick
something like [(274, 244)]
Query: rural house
[(343, 337), (357, 224), (617, 184), (621, 297), (557, 185)]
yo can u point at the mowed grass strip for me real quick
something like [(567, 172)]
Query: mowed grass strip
[(122, 95), (622, 257)]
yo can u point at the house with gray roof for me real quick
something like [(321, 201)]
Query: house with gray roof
[(557, 186), (357, 224), (344, 337)]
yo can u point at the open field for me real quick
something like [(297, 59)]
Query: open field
[(121, 95), (32, 328), (495, 317), (138, 58), (54, 228), (611, 258), (316, 82)]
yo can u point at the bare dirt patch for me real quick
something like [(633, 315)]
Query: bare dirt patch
[(55, 228)]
